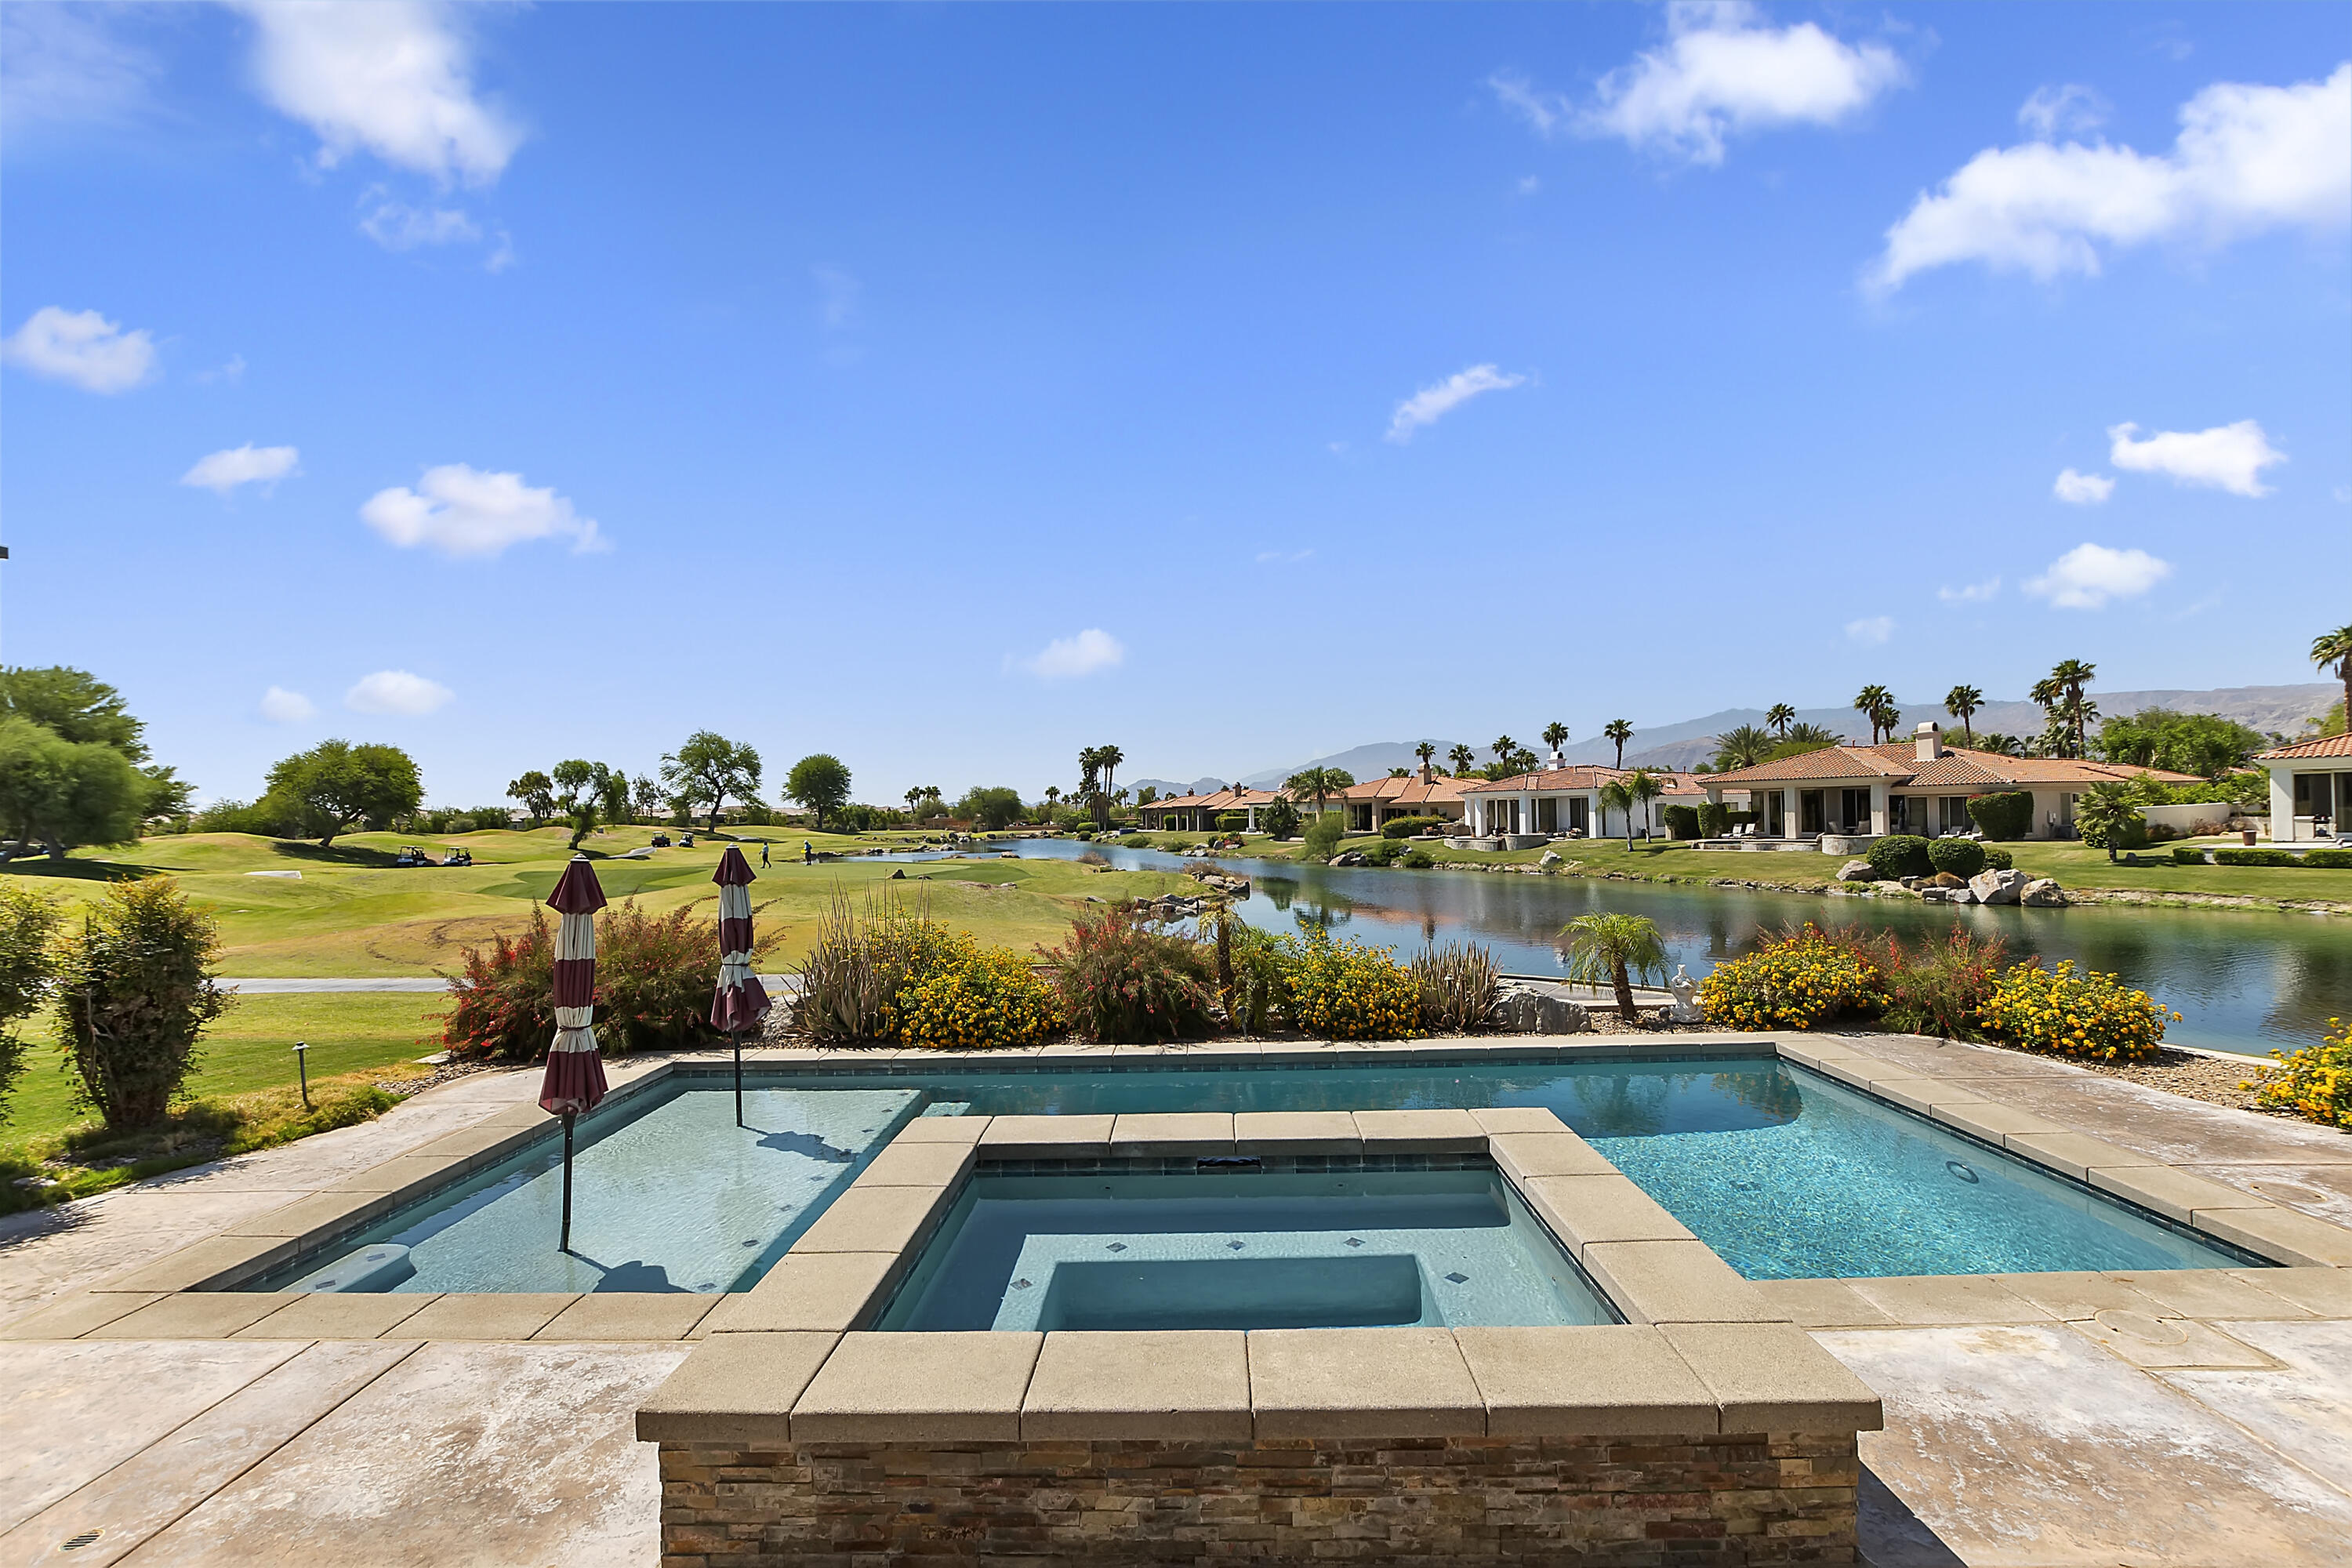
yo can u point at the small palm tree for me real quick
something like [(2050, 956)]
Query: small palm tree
[(1425, 751), (1555, 735), (2109, 814), (1052, 798), (1962, 702), (1619, 731), (1809, 737), (1615, 796), (1870, 702), (1742, 746), (1319, 784), (1463, 758), (1611, 950), (1644, 786), (1779, 716), (2336, 648)]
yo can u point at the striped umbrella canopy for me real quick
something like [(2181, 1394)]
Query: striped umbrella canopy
[(740, 1002), (575, 1077)]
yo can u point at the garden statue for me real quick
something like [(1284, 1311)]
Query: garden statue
[(1685, 1008)]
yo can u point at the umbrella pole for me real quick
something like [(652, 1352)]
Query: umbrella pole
[(566, 1245), (735, 1037)]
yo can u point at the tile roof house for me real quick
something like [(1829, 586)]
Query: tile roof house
[(1422, 792), (2310, 784), (1199, 813), (1564, 801)]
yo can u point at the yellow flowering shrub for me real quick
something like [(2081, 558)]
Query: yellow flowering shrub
[(2061, 1013), (975, 998), (1796, 983), (1346, 991), (2317, 1081)]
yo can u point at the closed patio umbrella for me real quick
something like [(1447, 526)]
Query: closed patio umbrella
[(574, 1083), (740, 1002)]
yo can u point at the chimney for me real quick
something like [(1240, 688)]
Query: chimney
[(1927, 741), (1424, 773)]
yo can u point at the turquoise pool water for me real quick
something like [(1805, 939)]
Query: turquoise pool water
[(1266, 1249), (1786, 1174)]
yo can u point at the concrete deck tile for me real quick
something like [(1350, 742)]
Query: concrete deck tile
[(136, 1499), (918, 1165), (1585, 1210), (1421, 1132), (2158, 1343), (334, 1315), (96, 1403), (1772, 1377), (873, 1219), (527, 1117), (1173, 1132), (1956, 1061), (2319, 1189), (398, 1175), (2284, 1234), (2213, 1293), (1819, 1303), (627, 1315), (2071, 1297), (1673, 1282), (1605, 1379), (2029, 1445), (809, 1291), (1530, 1156), (918, 1388), (1296, 1132), (2170, 1127), (192, 1315), (1362, 1383), (735, 1388), (311, 1221), (1535, 1118), (1925, 1094), (70, 1317), (512, 1315), (942, 1130), (2076, 1154), (1852, 1071), (222, 1259), (1179, 1386), (1045, 1137), (2323, 1292), (478, 1145), (2176, 1194), (461, 1454), (1995, 1122), (1922, 1299)]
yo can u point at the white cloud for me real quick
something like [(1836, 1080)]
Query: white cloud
[(230, 371), (397, 692), (460, 510), (65, 65), (2088, 575), (82, 347), (396, 226), (1723, 71), (394, 77), (2070, 110), (1432, 404), (280, 706), (1971, 593), (839, 295), (248, 465), (1871, 630), (2249, 158), (1067, 658), (2082, 489), (2228, 456)]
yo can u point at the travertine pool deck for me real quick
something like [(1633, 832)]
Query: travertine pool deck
[(2199, 1418)]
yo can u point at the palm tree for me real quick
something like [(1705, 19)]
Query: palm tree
[(1052, 798), (1644, 786), (2062, 697), (1886, 716), (1463, 758), (1090, 784), (1108, 759), (1807, 738), (1742, 746), (914, 798), (1962, 702), (1524, 761), (1555, 735), (1612, 949), (1616, 796), (2108, 813), (1425, 751), (1869, 702), (1503, 748), (1619, 731), (1779, 716), (2335, 647), (1318, 784), (2000, 745)]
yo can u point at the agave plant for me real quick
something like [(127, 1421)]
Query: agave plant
[(1461, 986)]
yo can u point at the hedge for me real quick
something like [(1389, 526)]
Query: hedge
[(2008, 814), (1713, 819), (2329, 859), (1232, 821), (1899, 855), (1997, 859), (1682, 821), (2253, 858), (1410, 826), (1960, 856), (2182, 855)]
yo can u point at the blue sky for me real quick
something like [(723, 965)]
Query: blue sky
[(951, 387)]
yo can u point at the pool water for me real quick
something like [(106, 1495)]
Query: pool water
[(1269, 1249)]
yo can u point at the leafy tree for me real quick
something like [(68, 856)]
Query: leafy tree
[(2336, 648), (1610, 950), (334, 783), (1147, 794), (1871, 702), (1742, 746), (610, 789), (1463, 758), (1319, 784), (2205, 745), (62, 794), (535, 792), (1322, 837), (1555, 735), (989, 808), (1778, 716), (83, 710), (133, 994), (1962, 702), (2111, 816), (573, 779), (1279, 819), (820, 781), (645, 795), (1620, 731), (28, 922), (710, 768)]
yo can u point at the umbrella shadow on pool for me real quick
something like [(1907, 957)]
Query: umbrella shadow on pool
[(806, 1145), (633, 1276)]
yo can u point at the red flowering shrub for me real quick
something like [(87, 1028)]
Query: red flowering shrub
[(655, 975), (1125, 984)]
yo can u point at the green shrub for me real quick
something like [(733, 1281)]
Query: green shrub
[(1461, 986), (27, 924), (979, 999), (655, 975), (2062, 1013), (1793, 983), (2329, 859), (1997, 858), (1939, 988), (1280, 819), (1713, 819), (1682, 821), (1961, 856), (133, 996), (2240, 857), (1323, 836), (1410, 826), (1899, 855), (1384, 853), (2008, 814), (1232, 821), (1124, 983), (1346, 991), (1417, 859), (2183, 855)]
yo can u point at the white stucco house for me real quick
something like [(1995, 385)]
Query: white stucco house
[(2311, 786)]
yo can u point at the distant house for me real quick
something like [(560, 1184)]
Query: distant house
[(1424, 792), (1919, 786), (2311, 786), (1566, 801), (1199, 813)]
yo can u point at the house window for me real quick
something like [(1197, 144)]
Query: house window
[(1547, 815), (1955, 814), (1855, 805), (1812, 811), (1580, 815)]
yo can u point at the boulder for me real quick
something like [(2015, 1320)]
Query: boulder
[(1856, 871), (1530, 1012), (2042, 893), (1348, 858), (1550, 857), (1998, 887)]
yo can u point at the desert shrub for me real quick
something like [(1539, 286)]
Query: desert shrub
[(1123, 982), (1385, 852), (1939, 988), (2315, 1082), (978, 998), (1418, 859), (502, 998), (1261, 970), (859, 965), (1794, 982), (1997, 858), (2006, 814), (1682, 821), (2242, 856), (1963, 857), (1323, 836), (2185, 854), (133, 996), (1713, 819), (2328, 859), (1899, 855), (27, 924), (1346, 991), (1093, 858), (1280, 819), (1410, 826), (2060, 1012), (1460, 984), (655, 975)]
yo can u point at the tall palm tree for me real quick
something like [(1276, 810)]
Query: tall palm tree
[(1555, 735), (1779, 716), (1886, 716), (1619, 731), (2335, 647), (1962, 702), (1108, 759), (1503, 748), (1644, 786), (914, 799), (1610, 950), (2066, 684), (1052, 798), (1742, 746), (1090, 784), (1869, 702), (1425, 751), (1463, 758)]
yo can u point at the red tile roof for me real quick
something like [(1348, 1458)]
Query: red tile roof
[(2331, 746), (1592, 776), (1407, 791), (1215, 800), (1958, 768)]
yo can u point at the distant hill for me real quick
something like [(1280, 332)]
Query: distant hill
[(1680, 745), (1170, 786)]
